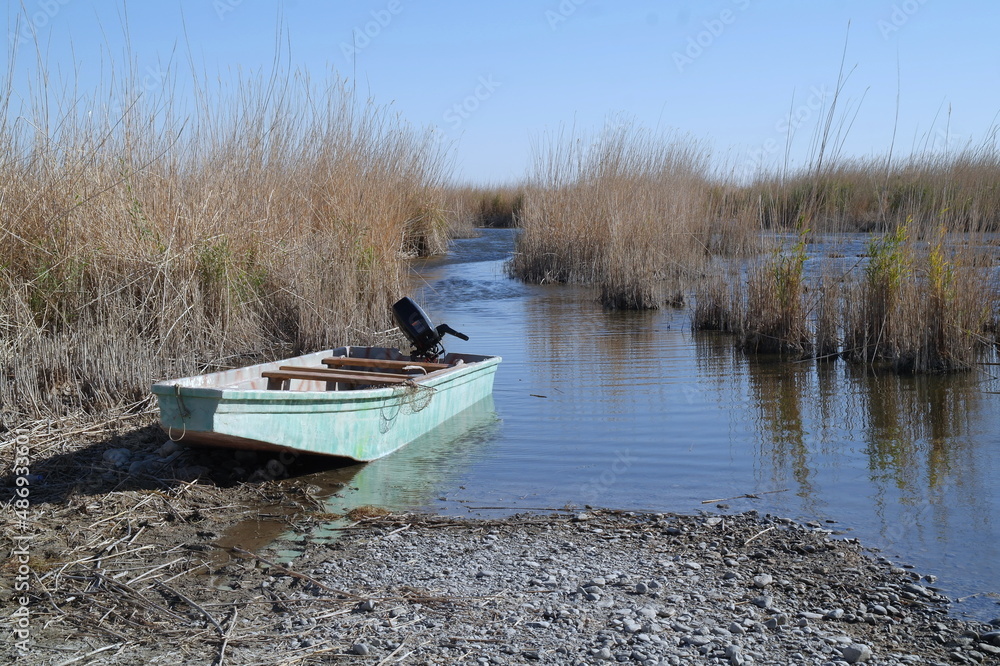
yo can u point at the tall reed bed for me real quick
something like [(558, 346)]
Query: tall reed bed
[(625, 211), (147, 236), (957, 189), (497, 206)]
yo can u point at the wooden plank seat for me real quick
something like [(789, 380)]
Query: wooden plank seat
[(276, 378), (382, 364)]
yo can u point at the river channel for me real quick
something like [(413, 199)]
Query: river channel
[(635, 411)]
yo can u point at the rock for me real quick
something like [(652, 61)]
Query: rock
[(274, 469), (367, 606), (735, 655), (604, 654), (762, 581), (581, 517), (855, 653), (361, 649), (641, 588), (696, 641), (117, 457), (835, 614), (169, 448)]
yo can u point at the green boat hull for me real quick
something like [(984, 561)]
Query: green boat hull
[(234, 408)]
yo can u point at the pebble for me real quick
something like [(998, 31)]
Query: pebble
[(117, 457), (169, 448), (591, 612), (856, 652)]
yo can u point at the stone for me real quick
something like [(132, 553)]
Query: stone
[(169, 448), (117, 457), (360, 649), (632, 627), (762, 580), (855, 653)]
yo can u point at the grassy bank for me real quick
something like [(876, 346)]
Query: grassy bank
[(146, 237)]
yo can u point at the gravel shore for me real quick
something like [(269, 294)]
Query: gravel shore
[(587, 588)]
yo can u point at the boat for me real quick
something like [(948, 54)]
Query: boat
[(354, 402)]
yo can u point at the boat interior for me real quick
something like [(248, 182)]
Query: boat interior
[(345, 373)]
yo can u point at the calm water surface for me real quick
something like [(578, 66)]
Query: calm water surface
[(634, 411)]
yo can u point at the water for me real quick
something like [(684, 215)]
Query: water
[(634, 411)]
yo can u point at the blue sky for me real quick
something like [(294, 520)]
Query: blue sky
[(495, 78)]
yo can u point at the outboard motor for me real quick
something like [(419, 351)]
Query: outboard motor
[(418, 329)]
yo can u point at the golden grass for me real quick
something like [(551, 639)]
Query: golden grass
[(491, 206), (139, 244), (624, 211), (959, 190)]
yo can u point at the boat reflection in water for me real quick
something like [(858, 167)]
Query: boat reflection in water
[(411, 479)]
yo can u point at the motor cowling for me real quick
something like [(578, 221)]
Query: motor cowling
[(418, 329)]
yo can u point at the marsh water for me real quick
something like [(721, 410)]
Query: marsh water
[(635, 411)]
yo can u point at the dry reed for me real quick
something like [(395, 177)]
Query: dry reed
[(624, 211), (273, 218), (491, 206)]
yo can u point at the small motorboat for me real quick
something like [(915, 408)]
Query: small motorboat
[(354, 402)]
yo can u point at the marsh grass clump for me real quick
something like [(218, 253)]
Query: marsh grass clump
[(921, 307), (775, 318), (623, 211), (719, 302), (273, 219)]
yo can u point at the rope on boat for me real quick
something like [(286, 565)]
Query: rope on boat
[(410, 398)]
